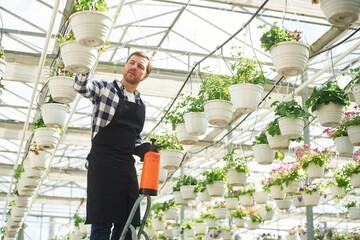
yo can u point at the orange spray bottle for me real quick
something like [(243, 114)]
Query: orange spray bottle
[(150, 172)]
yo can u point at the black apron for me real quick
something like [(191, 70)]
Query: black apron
[(112, 185)]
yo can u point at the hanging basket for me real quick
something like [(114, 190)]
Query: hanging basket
[(196, 123), (277, 192), (54, 114), (218, 112), (221, 213), (46, 138), (354, 135), (337, 191), (314, 171), (172, 213), (330, 115), (183, 136), (239, 222), (355, 90), (298, 201), (200, 228), (162, 175), (62, 89), (291, 127), (231, 203), (355, 180), (170, 159), (91, 28), (290, 58), (235, 178), (157, 225), (283, 204), (278, 142), (343, 12), (344, 146), (2, 67), (212, 223), (78, 58), (204, 196), (246, 200), (22, 202), (263, 154), (39, 160), (252, 225), (292, 187), (216, 189), (261, 197), (245, 97), (354, 213), (311, 199), (187, 192)]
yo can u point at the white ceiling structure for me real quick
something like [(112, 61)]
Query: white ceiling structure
[(182, 37)]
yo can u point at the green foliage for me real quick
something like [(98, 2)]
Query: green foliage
[(214, 174), (275, 35), (290, 109), (354, 120), (247, 190), (194, 104), (232, 160), (261, 139), (329, 93), (200, 186), (187, 225), (273, 128), (239, 213), (77, 220), (17, 173), (255, 217), (350, 204), (97, 5), (342, 180), (166, 140), (59, 70), (356, 79), (351, 168), (2, 53), (39, 123), (176, 115), (60, 39), (215, 86), (208, 215), (187, 180), (247, 70)]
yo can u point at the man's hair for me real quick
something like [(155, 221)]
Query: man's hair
[(142, 54)]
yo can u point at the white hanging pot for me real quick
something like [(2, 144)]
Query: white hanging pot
[(212, 223), (298, 201), (162, 175), (157, 225), (217, 189), (311, 199), (46, 138), (78, 58), (283, 204), (54, 114), (245, 97), (183, 136), (246, 200), (221, 213), (218, 112), (170, 159), (261, 197), (314, 171), (354, 213), (32, 173), (200, 228), (235, 178), (277, 192), (2, 67), (187, 192), (330, 115), (354, 135), (196, 123), (263, 154), (91, 28), (189, 233), (204, 196), (291, 127), (355, 90), (290, 58), (337, 191), (40, 159), (292, 187), (355, 180), (62, 89), (343, 12), (252, 225), (172, 213), (344, 146), (22, 202), (239, 222), (232, 203), (278, 142), (179, 199)]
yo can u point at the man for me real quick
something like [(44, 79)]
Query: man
[(117, 120)]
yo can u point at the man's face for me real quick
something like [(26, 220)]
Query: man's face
[(135, 70)]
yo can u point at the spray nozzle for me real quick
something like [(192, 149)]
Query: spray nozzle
[(153, 147)]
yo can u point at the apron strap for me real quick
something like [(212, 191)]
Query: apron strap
[(120, 92)]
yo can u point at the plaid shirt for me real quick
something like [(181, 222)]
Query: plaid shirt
[(105, 99)]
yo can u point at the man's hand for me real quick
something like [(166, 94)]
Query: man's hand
[(141, 150)]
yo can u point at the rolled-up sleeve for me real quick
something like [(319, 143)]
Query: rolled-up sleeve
[(86, 88)]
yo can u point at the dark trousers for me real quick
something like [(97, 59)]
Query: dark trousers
[(102, 231)]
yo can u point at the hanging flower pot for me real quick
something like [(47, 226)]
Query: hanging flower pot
[(239, 222), (232, 203), (330, 115), (354, 213), (179, 199), (278, 142), (266, 215), (46, 138), (314, 171), (187, 192), (355, 180), (291, 127), (235, 178), (252, 225), (263, 154), (62, 89), (245, 97), (39, 159), (246, 200), (220, 213), (312, 199), (283, 204), (78, 58), (200, 228), (261, 197), (292, 187), (91, 28), (343, 12), (355, 90), (196, 123), (157, 224), (183, 136), (22, 202), (54, 114), (277, 192), (211, 223), (162, 175), (337, 191), (217, 189), (189, 233), (354, 135), (344, 146), (32, 173), (218, 112), (172, 213), (290, 58), (170, 159), (298, 200), (204, 196)]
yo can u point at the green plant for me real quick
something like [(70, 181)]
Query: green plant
[(166, 205), (233, 161), (329, 93), (290, 109), (356, 79), (351, 168), (61, 39), (311, 188), (276, 34), (208, 215), (306, 155), (350, 204), (19, 170), (260, 139), (200, 186), (39, 123), (239, 213), (176, 115), (194, 104), (97, 5), (215, 86), (353, 119), (77, 220), (268, 236), (214, 174), (342, 180), (255, 217), (247, 190), (187, 225), (247, 70), (268, 208), (2, 53), (59, 70), (187, 180), (232, 194), (220, 204), (166, 140)]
